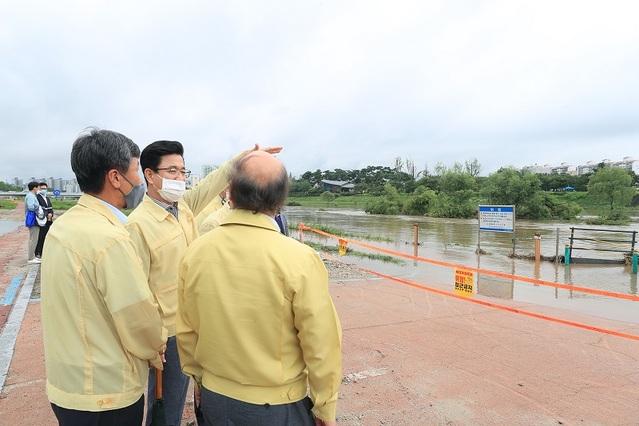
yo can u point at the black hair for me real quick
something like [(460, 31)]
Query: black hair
[(151, 156)]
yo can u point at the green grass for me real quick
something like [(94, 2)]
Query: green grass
[(7, 204), (350, 252), (345, 201), (591, 205), (59, 205), (341, 233)]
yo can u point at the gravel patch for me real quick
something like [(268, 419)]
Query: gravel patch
[(340, 270)]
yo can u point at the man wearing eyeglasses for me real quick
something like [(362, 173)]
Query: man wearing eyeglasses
[(162, 227)]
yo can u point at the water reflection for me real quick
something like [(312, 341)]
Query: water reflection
[(455, 240)]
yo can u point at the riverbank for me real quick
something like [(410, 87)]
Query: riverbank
[(592, 208), (16, 213)]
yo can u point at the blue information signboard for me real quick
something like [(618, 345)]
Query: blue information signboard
[(56, 192), (497, 218)]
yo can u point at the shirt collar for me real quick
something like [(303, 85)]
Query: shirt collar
[(171, 208), (121, 216), (272, 219)]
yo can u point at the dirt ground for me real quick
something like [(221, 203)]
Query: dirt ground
[(13, 257), (413, 356)]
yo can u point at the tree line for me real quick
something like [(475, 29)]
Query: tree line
[(456, 191)]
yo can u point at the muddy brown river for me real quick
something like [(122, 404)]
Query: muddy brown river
[(455, 241)]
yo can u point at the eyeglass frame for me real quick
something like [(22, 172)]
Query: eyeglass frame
[(174, 171)]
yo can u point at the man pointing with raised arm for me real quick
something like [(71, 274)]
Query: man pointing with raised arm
[(162, 228)]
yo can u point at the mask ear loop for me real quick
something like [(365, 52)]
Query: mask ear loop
[(153, 181)]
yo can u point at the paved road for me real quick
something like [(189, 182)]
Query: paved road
[(418, 357)]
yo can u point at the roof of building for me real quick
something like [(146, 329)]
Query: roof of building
[(340, 183)]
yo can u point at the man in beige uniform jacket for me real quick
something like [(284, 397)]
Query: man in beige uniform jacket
[(256, 324), (101, 327), (161, 228)]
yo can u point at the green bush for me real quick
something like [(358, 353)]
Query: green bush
[(459, 204)]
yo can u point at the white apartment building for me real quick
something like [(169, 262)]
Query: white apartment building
[(627, 163)]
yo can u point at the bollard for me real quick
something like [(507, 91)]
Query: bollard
[(634, 263), (416, 239), (567, 255), (537, 246)]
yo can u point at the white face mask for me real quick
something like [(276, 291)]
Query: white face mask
[(172, 190)]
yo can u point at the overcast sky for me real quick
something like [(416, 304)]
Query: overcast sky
[(340, 84)]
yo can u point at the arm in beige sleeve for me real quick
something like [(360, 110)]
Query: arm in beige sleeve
[(184, 332), (198, 197), (124, 286), (320, 335)]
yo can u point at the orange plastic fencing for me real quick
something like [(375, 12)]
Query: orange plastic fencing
[(502, 307), (303, 227), (489, 272)]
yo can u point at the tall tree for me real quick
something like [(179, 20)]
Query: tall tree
[(612, 185), (509, 186), (399, 164), (452, 181), (440, 169), (472, 167), (410, 167)]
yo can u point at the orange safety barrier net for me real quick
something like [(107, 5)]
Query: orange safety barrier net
[(495, 305), (489, 272)]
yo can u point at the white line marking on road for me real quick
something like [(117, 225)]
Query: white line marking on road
[(12, 327)]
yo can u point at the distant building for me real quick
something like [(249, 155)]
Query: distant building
[(194, 179), (338, 186), (627, 163), (589, 167), (207, 168), (71, 186)]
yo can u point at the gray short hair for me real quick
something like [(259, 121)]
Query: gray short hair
[(95, 152)]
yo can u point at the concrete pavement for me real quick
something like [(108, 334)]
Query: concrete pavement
[(414, 357)]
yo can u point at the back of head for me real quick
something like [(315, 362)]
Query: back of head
[(95, 152), (151, 156), (259, 182), (32, 184)]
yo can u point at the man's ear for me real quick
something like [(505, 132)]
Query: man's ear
[(113, 178), (148, 175)]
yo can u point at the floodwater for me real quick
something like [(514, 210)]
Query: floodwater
[(7, 226), (455, 241)]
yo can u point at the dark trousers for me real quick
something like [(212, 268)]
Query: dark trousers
[(175, 386), (131, 415), (221, 410), (43, 233)]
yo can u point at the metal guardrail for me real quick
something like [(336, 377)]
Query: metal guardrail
[(624, 246), (20, 195)]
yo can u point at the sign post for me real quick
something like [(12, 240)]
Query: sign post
[(495, 219)]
